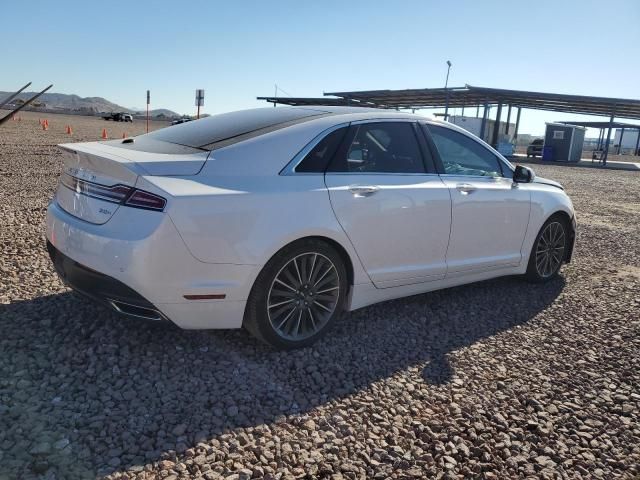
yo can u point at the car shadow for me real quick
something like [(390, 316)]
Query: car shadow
[(86, 393)]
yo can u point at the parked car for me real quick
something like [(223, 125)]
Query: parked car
[(279, 219), (178, 121), (119, 117), (535, 148)]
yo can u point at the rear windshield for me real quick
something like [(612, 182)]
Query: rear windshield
[(226, 128)]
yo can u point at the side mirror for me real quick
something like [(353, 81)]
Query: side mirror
[(523, 174)]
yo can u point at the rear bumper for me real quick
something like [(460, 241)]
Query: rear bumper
[(102, 288), (138, 260)]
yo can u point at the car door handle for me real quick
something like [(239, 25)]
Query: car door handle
[(363, 190), (465, 188)]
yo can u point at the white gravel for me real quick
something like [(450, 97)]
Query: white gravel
[(499, 379)]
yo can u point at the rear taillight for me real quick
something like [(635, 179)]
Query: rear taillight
[(142, 199), (115, 193), (120, 194)]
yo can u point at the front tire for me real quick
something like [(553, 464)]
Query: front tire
[(297, 296), (548, 251)]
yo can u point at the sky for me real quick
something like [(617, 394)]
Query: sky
[(238, 50)]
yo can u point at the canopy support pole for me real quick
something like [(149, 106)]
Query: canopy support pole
[(506, 128), (600, 138), (606, 145), (636, 151), (515, 133), (483, 125), (620, 144), (496, 127)]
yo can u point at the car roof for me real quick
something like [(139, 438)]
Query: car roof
[(364, 112)]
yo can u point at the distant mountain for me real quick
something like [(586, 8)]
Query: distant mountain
[(63, 101), (158, 112), (75, 103)]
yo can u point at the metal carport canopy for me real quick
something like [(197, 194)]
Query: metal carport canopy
[(470, 96)]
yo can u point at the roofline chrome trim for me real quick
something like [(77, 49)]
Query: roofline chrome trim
[(388, 174), (383, 119)]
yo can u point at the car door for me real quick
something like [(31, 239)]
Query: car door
[(395, 211), (490, 213)]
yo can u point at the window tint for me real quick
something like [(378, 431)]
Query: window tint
[(320, 156), (206, 132), (385, 147), (462, 155)]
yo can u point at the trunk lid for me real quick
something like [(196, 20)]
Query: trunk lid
[(90, 167)]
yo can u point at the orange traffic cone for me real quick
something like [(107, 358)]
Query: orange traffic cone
[(45, 126), (104, 134), (124, 135), (69, 131)]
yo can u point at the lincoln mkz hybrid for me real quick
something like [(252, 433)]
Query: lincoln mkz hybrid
[(279, 219)]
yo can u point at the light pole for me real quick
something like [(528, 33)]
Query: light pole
[(446, 83)]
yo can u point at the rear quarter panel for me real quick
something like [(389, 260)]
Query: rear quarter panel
[(247, 220)]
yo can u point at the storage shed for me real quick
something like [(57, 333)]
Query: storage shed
[(563, 143)]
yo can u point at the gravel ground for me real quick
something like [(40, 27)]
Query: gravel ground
[(499, 379)]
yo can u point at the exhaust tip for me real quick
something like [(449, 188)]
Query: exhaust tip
[(136, 310)]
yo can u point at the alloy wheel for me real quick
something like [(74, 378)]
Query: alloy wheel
[(303, 296), (550, 249)]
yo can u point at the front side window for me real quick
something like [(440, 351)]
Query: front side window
[(462, 155), (384, 147)]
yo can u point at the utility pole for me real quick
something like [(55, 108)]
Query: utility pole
[(446, 84)]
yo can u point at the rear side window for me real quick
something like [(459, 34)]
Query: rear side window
[(318, 158), (381, 147), (462, 155)]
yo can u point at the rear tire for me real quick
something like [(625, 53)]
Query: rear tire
[(297, 296), (549, 250)]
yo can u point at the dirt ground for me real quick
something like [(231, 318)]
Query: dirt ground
[(499, 379), (84, 129)]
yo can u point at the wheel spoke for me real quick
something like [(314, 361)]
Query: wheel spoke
[(286, 318), (326, 280), (295, 264), (292, 280), (327, 290), (283, 293), (286, 285), (322, 306), (313, 265), (281, 303), (297, 326), (313, 321), (323, 275)]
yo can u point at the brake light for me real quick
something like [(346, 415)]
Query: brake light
[(142, 199), (120, 194)]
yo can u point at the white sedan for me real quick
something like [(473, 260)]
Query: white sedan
[(279, 219)]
